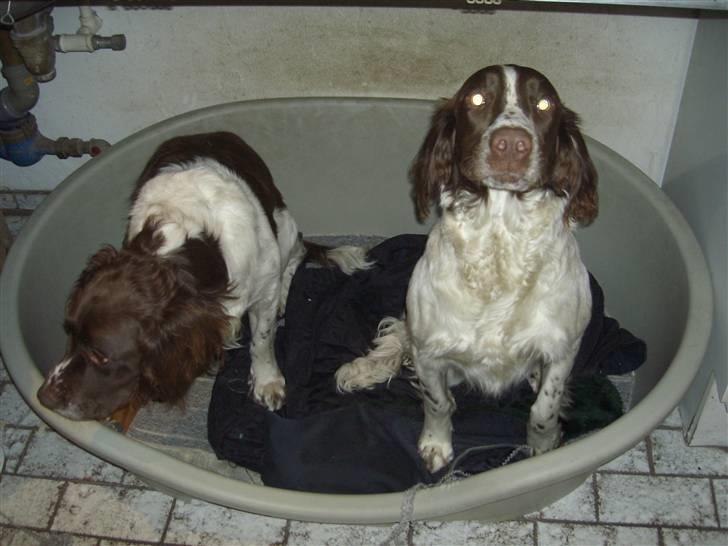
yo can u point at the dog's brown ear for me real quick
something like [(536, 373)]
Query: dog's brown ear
[(105, 256), (431, 169), (574, 173)]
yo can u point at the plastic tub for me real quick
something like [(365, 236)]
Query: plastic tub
[(341, 165)]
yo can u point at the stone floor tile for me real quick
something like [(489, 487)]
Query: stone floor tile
[(321, 534), (113, 512), (655, 500), (439, 533), (579, 505), (30, 200), (567, 534), (507, 532), (634, 460), (721, 498), (13, 441), (51, 455), (7, 200), (27, 537), (15, 223), (28, 502), (14, 409), (672, 455), (199, 523), (471, 533), (694, 537)]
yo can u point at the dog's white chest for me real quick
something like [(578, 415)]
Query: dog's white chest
[(488, 293)]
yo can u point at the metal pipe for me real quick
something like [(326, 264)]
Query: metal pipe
[(27, 54), (33, 38), (25, 145), (86, 38), (22, 92)]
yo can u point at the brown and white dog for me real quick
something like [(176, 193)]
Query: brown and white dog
[(501, 293), (209, 238)]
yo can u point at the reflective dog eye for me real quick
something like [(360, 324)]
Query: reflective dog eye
[(97, 358), (477, 99), (543, 105)]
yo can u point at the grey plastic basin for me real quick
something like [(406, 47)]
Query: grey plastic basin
[(341, 165)]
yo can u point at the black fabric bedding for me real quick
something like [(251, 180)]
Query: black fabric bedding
[(366, 442)]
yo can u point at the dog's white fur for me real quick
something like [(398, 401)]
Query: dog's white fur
[(500, 295), (188, 199)]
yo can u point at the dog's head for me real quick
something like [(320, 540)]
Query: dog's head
[(138, 328), (505, 129)]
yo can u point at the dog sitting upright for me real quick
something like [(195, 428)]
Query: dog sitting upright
[(209, 238), (500, 294)]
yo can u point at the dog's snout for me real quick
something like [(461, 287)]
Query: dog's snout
[(511, 144)]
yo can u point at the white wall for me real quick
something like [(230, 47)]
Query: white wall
[(696, 179), (623, 73)]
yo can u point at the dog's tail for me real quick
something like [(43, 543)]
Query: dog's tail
[(380, 364), (347, 258)]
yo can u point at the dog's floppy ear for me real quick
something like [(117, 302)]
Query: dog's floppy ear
[(574, 173), (182, 342), (105, 256), (432, 167)]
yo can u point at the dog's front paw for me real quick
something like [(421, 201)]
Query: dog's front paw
[(435, 454), (271, 394), (542, 438)]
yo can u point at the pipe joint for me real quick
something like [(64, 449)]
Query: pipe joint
[(21, 94), (33, 38), (23, 144)]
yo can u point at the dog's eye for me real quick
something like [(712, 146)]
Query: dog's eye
[(97, 358), (543, 105), (477, 99)]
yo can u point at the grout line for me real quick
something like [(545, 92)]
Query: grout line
[(24, 452), (633, 525), (87, 481), (534, 533), (662, 475), (17, 212), (286, 532), (660, 537), (597, 498), (714, 499), (650, 455), (57, 507), (172, 507)]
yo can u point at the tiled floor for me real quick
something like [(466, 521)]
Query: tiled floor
[(52, 493)]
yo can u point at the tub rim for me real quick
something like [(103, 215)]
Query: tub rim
[(578, 458)]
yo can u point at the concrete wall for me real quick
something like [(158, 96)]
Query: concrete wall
[(697, 181), (623, 73)]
